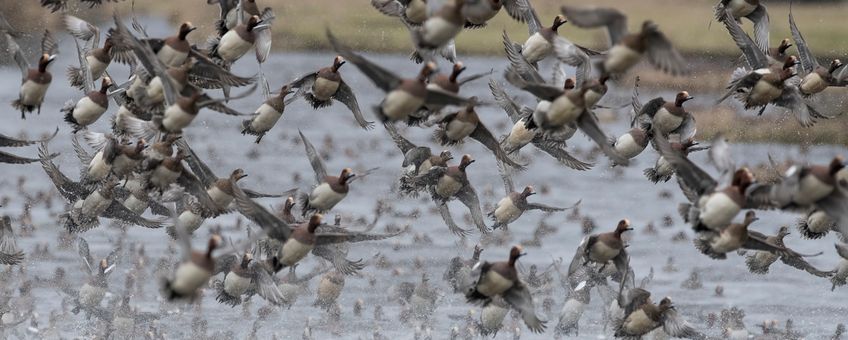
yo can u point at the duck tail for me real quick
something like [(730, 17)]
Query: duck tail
[(652, 175), (704, 247), (303, 199), (221, 27), (23, 108), (246, 129), (315, 102), (808, 233), (441, 136), (473, 296), (75, 77), (416, 57), (755, 267), (223, 296)]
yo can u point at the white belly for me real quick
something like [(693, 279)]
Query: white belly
[(236, 285), (536, 48), (666, 122), (492, 316), (176, 119), (819, 222), (663, 167), (457, 130), (416, 11), (492, 284), (519, 136), (171, 57), (266, 118), (189, 278), (425, 167), (811, 190), (32, 93), (96, 67), (717, 210), (448, 186), (324, 198), (221, 198), (155, 92), (592, 97), (506, 212), (763, 93), (627, 147), (162, 177), (323, 89), (638, 323), (602, 253), (189, 221), (725, 243), (97, 168), (95, 204), (398, 105), (232, 46), (90, 296), (562, 111), (621, 58), (813, 83), (135, 205), (294, 251), (740, 8), (437, 31), (87, 112)]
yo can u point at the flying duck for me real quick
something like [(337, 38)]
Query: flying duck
[(765, 84), (520, 135), (329, 190), (759, 261), (267, 114), (446, 183), (321, 87), (34, 81), (501, 279), (404, 97), (455, 127), (627, 49), (417, 160), (511, 207)]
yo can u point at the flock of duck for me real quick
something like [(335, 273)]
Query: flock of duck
[(144, 163)]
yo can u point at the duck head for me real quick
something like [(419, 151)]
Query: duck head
[(665, 304), (785, 44), (104, 84), (835, 64), (528, 191), (514, 253), (289, 204), (285, 90), (682, 97), (185, 29), (558, 21), (346, 175), (426, 71), (750, 217), (338, 62), (446, 155), (623, 225), (314, 222), (245, 260), (465, 162), (44, 61), (457, 69), (253, 22), (742, 178), (569, 84), (237, 175), (838, 163)]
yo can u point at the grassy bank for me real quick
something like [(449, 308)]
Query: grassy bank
[(300, 24)]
